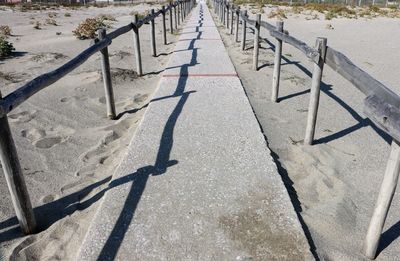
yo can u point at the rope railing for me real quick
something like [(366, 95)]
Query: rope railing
[(381, 105), (8, 153)]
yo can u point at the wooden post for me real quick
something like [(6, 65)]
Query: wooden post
[(277, 64), (244, 24), (227, 16), (256, 42), (15, 179), (136, 43), (387, 190), (178, 12), (105, 69), (171, 26), (223, 11), (176, 20), (315, 91), (232, 12), (237, 25), (181, 11), (153, 35), (164, 27), (184, 10)]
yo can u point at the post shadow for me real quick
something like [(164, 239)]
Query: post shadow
[(114, 240), (52, 212), (327, 88), (388, 237)]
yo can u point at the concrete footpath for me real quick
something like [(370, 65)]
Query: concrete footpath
[(198, 181)]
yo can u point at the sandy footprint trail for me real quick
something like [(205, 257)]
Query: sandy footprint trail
[(67, 146)]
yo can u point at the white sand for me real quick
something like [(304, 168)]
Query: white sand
[(67, 146), (333, 184)]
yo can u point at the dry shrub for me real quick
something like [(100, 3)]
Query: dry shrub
[(52, 15), (50, 21), (278, 13), (88, 28), (107, 17), (37, 25), (140, 15), (5, 30)]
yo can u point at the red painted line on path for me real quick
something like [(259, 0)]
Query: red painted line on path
[(207, 39), (202, 75)]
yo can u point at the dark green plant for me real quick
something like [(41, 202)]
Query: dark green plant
[(6, 48)]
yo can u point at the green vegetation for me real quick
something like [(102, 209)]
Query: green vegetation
[(6, 48)]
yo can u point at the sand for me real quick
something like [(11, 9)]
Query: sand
[(333, 184), (67, 146)]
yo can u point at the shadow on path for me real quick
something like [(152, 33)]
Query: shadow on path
[(52, 212)]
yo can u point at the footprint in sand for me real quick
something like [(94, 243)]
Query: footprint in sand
[(48, 57), (47, 199), (24, 116), (33, 134), (102, 100), (295, 79), (48, 142), (73, 98), (139, 98)]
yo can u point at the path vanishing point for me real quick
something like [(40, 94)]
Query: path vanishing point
[(198, 181)]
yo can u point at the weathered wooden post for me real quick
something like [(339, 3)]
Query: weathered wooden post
[(171, 26), (277, 64), (223, 11), (183, 11), (315, 91), (164, 26), (256, 42), (232, 13), (227, 16), (15, 179), (136, 43), (244, 24), (106, 72), (176, 22), (237, 24), (153, 34), (220, 11), (387, 190), (177, 14)]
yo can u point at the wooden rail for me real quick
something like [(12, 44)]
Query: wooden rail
[(381, 105), (8, 153)]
